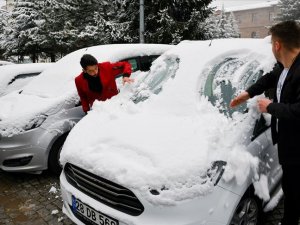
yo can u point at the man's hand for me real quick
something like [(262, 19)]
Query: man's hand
[(263, 104), (241, 98), (127, 80)]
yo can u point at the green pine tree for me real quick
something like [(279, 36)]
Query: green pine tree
[(289, 10)]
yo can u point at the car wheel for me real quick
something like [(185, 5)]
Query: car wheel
[(53, 160), (247, 212)]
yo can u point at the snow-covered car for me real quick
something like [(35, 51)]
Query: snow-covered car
[(35, 121), (14, 76), (180, 156), (3, 63)]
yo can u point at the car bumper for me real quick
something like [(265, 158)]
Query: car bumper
[(214, 209), (26, 152)]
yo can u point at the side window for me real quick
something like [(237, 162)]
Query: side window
[(146, 62), (260, 127), (134, 64), (142, 63)]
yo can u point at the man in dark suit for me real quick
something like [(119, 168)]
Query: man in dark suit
[(285, 111)]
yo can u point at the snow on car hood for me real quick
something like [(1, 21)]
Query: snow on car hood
[(169, 141), (21, 112)]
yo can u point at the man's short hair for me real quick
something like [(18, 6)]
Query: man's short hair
[(288, 32), (88, 60)]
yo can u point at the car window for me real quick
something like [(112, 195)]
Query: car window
[(142, 63), (134, 64), (260, 126), (146, 62), (219, 83)]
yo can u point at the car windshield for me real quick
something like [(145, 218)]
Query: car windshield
[(152, 82), (222, 84)]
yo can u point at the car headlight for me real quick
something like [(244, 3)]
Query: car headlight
[(213, 175), (35, 122), (216, 171)]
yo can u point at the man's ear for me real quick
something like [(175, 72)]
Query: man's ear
[(277, 46)]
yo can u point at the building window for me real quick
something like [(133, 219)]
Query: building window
[(271, 16), (238, 19), (254, 35), (254, 17)]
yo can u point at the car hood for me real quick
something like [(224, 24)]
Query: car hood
[(22, 110), (10, 72), (146, 149)]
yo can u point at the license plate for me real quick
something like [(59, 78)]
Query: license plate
[(91, 214)]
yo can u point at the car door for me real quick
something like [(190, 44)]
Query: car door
[(266, 151)]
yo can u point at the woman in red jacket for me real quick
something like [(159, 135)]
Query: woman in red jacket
[(97, 81)]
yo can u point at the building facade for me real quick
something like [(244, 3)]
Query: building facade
[(255, 20), (9, 5)]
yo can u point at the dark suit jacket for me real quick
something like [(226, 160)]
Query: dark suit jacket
[(287, 112)]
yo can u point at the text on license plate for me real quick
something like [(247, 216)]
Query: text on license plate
[(91, 214)]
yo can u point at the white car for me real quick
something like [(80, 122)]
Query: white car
[(180, 156), (35, 121), (14, 76)]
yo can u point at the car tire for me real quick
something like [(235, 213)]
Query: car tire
[(248, 211), (53, 160)]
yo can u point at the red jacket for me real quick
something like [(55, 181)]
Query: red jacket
[(108, 72)]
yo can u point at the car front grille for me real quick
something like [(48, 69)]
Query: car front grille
[(105, 191)]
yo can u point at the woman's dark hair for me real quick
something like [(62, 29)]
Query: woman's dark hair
[(288, 32), (88, 60)]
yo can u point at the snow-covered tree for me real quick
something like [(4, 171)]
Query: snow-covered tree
[(22, 32), (51, 33), (165, 27), (165, 21), (221, 26), (54, 28), (289, 10), (86, 18), (232, 27), (3, 25)]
